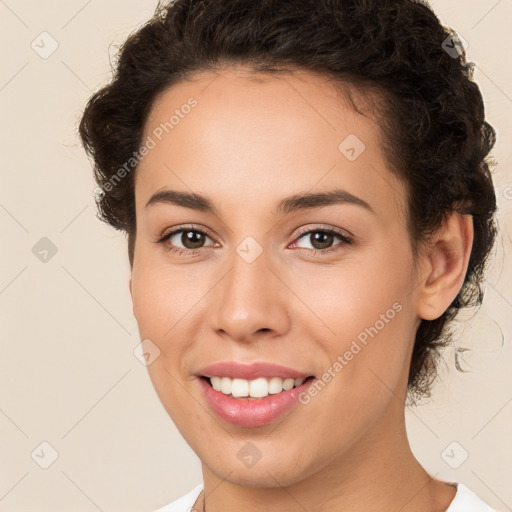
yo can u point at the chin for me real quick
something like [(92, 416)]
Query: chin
[(274, 470), (263, 477)]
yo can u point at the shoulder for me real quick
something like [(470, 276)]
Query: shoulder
[(184, 503), (467, 501)]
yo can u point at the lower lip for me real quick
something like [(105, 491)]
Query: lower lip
[(255, 412)]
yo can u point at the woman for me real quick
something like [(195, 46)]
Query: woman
[(308, 204)]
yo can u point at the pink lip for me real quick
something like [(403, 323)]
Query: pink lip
[(251, 371), (254, 412)]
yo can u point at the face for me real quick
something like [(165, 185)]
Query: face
[(324, 288)]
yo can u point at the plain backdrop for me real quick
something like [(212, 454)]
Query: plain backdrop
[(69, 377)]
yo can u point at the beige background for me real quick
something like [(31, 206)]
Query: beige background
[(68, 373)]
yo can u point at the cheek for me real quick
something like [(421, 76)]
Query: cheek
[(157, 308), (163, 295), (169, 305), (355, 293), (161, 299), (366, 317)]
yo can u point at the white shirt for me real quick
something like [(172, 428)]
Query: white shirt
[(465, 501)]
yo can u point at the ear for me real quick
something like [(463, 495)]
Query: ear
[(130, 287), (445, 264)]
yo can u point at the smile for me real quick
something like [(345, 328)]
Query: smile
[(252, 395)]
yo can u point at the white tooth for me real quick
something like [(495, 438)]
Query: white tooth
[(240, 387), (275, 385), (225, 385), (288, 384), (216, 383), (258, 388)]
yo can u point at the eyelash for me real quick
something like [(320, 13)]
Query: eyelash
[(316, 252)]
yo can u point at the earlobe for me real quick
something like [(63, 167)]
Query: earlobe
[(446, 264)]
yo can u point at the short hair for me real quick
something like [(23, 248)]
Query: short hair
[(436, 139)]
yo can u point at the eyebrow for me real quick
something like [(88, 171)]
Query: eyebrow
[(296, 202)]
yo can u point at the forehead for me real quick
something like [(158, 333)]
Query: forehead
[(265, 136), (272, 100)]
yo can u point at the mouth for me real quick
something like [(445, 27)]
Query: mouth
[(252, 394), (254, 402)]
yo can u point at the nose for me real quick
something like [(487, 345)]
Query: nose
[(250, 301)]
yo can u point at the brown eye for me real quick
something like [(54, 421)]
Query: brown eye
[(322, 240), (183, 240), (191, 239)]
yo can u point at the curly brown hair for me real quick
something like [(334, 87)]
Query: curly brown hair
[(435, 135)]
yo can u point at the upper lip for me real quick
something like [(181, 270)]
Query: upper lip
[(251, 371)]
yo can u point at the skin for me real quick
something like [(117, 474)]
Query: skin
[(247, 145)]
